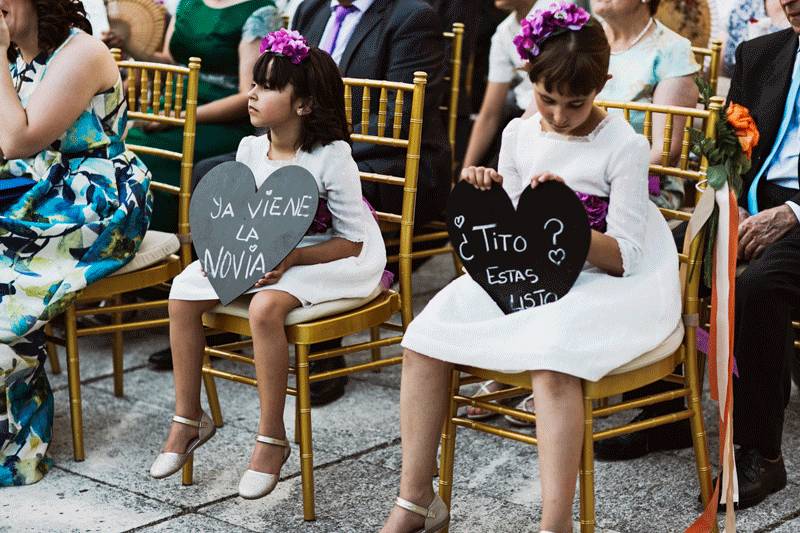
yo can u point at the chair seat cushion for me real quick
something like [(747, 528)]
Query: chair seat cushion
[(240, 308), (156, 245), (663, 350)]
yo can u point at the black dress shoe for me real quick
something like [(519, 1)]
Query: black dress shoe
[(330, 390), (758, 477), (633, 445), (161, 360)]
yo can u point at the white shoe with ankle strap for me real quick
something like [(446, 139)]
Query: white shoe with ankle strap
[(254, 484), (167, 463), (437, 517)]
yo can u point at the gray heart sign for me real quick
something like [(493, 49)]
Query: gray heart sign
[(240, 233)]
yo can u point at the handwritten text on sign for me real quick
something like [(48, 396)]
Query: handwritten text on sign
[(241, 233), (523, 258)]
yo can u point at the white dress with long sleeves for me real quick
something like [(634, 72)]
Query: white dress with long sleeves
[(338, 182), (604, 321)]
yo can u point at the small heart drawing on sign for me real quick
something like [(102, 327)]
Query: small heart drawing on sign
[(510, 251), (556, 256), (241, 232)]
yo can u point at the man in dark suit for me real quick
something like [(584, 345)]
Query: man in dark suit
[(766, 80), (390, 40)]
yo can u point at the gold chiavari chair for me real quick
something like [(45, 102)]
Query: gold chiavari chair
[(164, 94), (338, 319), (710, 60), (437, 230), (660, 363)]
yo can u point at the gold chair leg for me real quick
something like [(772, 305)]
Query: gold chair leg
[(587, 471), (117, 350), (374, 335), (449, 444), (306, 448), (74, 379), (297, 420), (52, 350), (702, 459), (187, 472), (211, 393)]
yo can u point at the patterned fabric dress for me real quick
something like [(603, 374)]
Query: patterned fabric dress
[(84, 219)]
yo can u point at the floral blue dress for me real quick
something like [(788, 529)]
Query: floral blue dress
[(83, 219)]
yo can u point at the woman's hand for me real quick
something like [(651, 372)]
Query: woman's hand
[(5, 35), (112, 40), (546, 176), (481, 177), (275, 275)]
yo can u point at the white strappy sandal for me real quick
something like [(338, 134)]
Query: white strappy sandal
[(254, 484), (167, 463), (437, 517)]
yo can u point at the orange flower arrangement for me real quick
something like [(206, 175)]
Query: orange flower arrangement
[(744, 126)]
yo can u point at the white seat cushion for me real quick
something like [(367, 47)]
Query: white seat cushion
[(240, 308), (663, 350), (155, 246)]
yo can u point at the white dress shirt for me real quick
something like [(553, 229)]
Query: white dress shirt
[(348, 27)]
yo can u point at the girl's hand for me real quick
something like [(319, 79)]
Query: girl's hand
[(274, 276), (546, 176), (5, 35), (481, 177)]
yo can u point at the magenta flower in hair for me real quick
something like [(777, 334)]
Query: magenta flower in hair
[(544, 23), (289, 44)]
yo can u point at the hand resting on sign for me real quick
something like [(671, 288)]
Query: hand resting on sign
[(324, 252), (482, 177)]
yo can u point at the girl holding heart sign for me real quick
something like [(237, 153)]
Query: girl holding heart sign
[(624, 302), (298, 95)]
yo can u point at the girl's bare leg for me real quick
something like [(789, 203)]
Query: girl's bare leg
[(187, 342), (268, 310), (423, 406), (559, 430)]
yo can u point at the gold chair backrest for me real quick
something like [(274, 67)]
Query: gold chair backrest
[(710, 60), (167, 94), (285, 19), (690, 262), (372, 129), (453, 77)]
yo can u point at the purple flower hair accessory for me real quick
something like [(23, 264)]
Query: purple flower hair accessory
[(544, 23), (289, 44)]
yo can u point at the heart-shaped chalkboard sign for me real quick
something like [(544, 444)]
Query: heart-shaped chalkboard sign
[(522, 258), (240, 233)]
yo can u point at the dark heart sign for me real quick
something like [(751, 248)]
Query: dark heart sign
[(240, 233), (523, 258)]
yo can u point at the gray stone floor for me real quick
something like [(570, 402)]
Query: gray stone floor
[(357, 458)]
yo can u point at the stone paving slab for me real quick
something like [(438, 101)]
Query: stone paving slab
[(193, 523), (65, 502)]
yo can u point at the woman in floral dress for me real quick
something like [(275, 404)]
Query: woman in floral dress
[(63, 114)]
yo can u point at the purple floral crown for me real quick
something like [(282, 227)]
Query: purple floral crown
[(289, 44), (544, 23)]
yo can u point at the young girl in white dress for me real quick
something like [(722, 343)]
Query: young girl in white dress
[(298, 95), (625, 301)]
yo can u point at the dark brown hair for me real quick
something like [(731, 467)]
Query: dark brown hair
[(55, 20), (316, 79), (653, 6), (573, 62)]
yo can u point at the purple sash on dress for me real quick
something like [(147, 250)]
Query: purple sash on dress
[(596, 209)]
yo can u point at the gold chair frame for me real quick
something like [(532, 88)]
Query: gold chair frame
[(714, 55), (177, 110), (437, 230), (623, 379), (372, 316)]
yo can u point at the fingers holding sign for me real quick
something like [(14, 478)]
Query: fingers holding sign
[(546, 176), (481, 177)]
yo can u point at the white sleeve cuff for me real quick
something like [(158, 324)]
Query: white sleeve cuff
[(795, 209)]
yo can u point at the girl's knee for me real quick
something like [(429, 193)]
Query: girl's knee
[(265, 309), (551, 382), (411, 357), (184, 308)]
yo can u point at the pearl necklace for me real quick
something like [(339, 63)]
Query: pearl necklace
[(637, 39)]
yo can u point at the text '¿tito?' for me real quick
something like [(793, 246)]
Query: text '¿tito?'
[(243, 257)]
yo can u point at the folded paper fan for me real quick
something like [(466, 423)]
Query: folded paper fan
[(689, 18), (139, 23)]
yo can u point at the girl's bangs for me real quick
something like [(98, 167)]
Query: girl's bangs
[(272, 71)]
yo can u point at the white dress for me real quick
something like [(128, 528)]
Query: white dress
[(604, 321), (338, 182)]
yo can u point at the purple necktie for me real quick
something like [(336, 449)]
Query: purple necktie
[(341, 12)]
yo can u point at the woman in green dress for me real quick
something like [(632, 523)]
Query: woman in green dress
[(225, 34)]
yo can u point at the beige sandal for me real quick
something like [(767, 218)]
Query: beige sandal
[(255, 484), (167, 463), (437, 517), (523, 406)]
